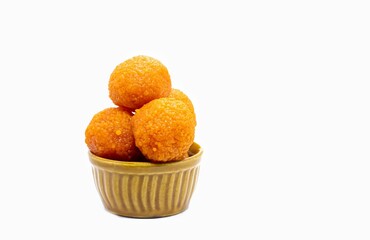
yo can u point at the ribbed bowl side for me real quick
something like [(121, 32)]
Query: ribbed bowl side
[(146, 195)]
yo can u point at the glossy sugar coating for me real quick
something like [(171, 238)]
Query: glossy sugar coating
[(164, 130), (109, 135), (179, 95), (138, 81)]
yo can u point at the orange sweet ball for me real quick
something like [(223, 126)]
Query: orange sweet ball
[(164, 130), (138, 81), (179, 95), (109, 135)]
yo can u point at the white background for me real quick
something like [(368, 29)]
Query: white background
[(281, 91)]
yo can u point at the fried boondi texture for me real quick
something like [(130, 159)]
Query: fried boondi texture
[(109, 135), (164, 130), (138, 81), (179, 95)]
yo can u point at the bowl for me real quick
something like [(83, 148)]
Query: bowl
[(144, 189)]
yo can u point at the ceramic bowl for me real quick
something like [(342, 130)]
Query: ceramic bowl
[(146, 190)]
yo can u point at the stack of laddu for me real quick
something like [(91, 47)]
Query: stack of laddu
[(152, 121)]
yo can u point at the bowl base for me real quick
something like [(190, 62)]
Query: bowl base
[(145, 215)]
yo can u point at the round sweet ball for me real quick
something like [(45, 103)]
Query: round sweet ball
[(164, 130), (179, 95), (109, 135), (138, 81)]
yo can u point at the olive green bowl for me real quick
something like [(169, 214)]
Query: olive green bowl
[(146, 190)]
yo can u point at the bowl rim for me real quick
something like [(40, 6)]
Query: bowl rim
[(148, 167)]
